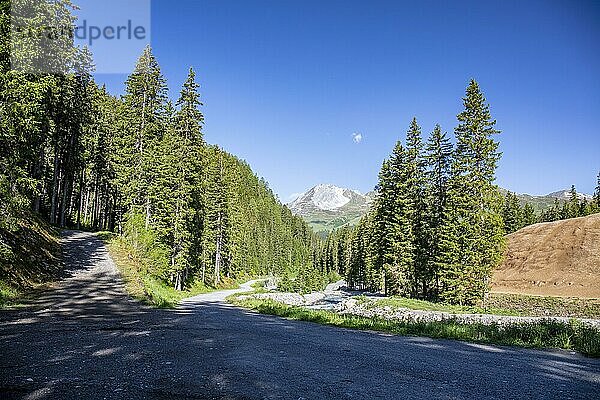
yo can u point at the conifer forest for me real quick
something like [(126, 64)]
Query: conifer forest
[(137, 165)]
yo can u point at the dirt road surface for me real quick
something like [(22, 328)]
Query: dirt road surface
[(86, 339)]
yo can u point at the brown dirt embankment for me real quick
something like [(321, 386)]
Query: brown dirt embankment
[(559, 258)]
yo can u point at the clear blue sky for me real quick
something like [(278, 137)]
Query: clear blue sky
[(287, 83)]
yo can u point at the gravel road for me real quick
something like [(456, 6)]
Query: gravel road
[(86, 339)]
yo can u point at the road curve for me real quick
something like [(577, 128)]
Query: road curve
[(217, 297), (86, 339)]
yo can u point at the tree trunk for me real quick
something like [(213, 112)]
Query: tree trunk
[(55, 183), (80, 199), (64, 202), (147, 212), (218, 253)]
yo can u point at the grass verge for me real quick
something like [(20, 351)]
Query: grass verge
[(413, 304), (29, 259), (544, 334), (540, 306), (501, 304), (145, 287)]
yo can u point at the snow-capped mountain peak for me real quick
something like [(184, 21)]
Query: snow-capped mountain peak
[(326, 207), (326, 197), (329, 197), (566, 195)]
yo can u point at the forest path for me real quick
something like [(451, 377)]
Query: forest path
[(87, 339)]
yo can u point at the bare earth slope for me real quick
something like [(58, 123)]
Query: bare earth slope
[(553, 259)]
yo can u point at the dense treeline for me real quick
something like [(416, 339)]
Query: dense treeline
[(349, 250), (138, 165), (516, 216), (574, 207), (435, 230)]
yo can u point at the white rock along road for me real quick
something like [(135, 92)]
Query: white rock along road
[(86, 339)]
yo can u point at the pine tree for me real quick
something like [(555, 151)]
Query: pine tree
[(529, 217), (422, 278), (98, 195), (393, 238), (438, 160), (512, 214), (137, 164), (573, 206), (472, 235), (385, 226), (187, 152), (217, 228), (145, 103)]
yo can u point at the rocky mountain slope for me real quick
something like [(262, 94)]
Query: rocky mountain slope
[(326, 207)]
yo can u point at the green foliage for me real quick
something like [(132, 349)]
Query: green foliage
[(436, 229), (307, 280), (512, 214), (438, 158), (539, 306), (572, 208), (424, 305), (528, 215), (472, 238), (8, 294), (23, 266), (138, 165), (139, 282)]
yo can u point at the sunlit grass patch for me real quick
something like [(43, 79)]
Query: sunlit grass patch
[(8, 294)]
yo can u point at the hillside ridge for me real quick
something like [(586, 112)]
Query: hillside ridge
[(326, 207)]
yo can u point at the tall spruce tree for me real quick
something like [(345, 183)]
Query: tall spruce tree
[(512, 214), (415, 210), (145, 104), (385, 225), (217, 227), (573, 206), (393, 237), (529, 217), (438, 158), (181, 171), (472, 236)]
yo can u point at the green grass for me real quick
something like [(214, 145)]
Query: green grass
[(145, 287), (544, 334), (541, 306), (8, 295), (413, 304), (502, 304)]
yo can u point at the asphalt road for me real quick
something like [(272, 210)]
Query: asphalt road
[(87, 340)]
